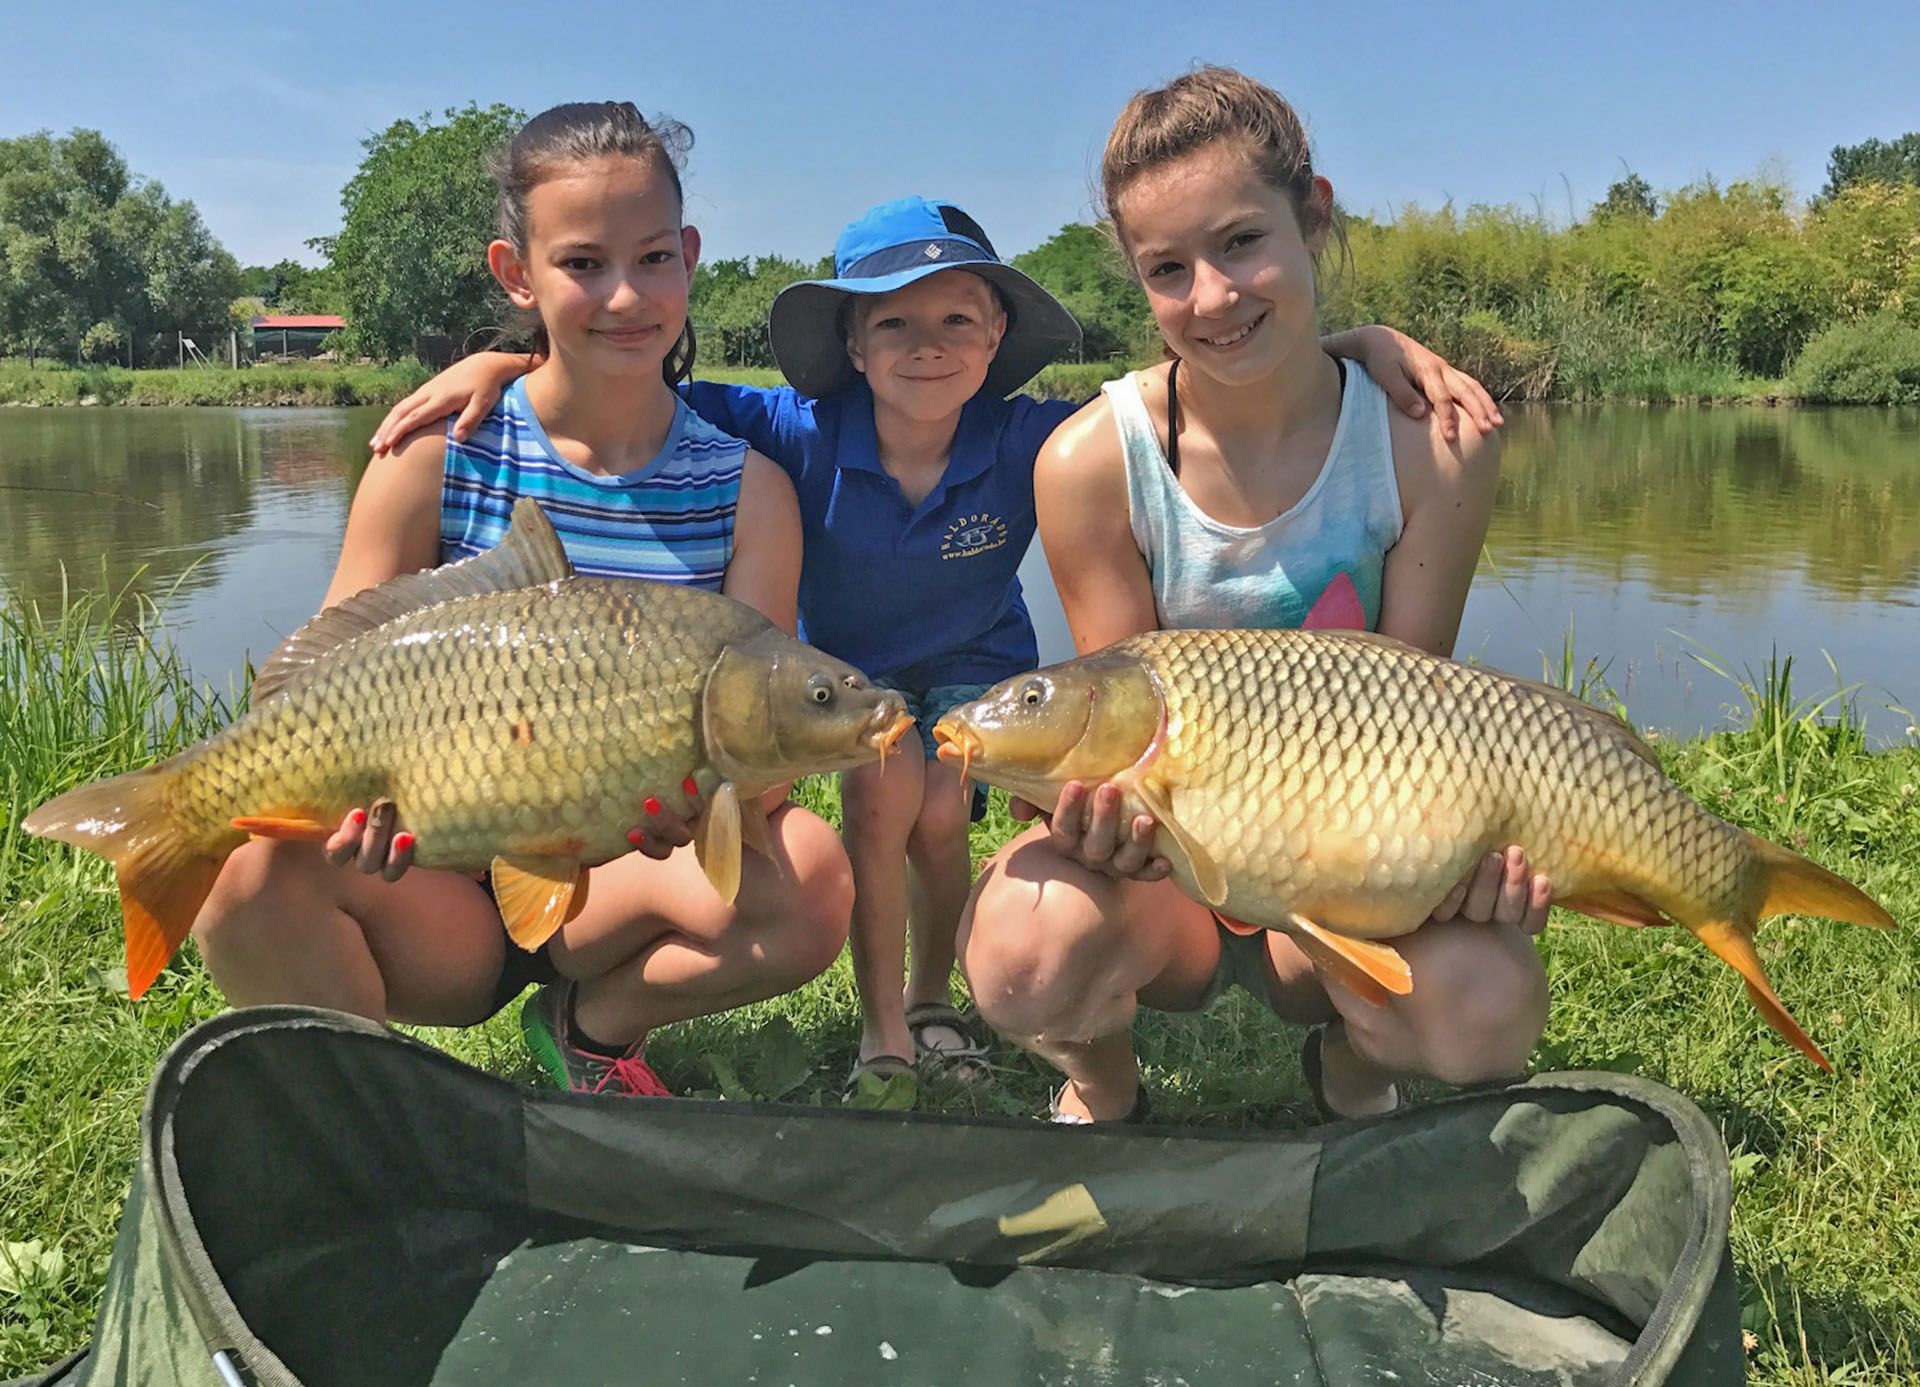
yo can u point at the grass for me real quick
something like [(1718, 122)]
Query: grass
[(1827, 1210), (312, 383)]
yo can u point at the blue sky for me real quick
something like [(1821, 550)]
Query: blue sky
[(804, 114)]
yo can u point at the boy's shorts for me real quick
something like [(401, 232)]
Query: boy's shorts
[(928, 706)]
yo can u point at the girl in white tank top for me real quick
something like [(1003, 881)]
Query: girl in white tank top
[(1207, 574)]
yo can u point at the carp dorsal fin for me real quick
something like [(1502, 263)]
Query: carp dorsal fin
[(1207, 876), (529, 556), (1612, 724)]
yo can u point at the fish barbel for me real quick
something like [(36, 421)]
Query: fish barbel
[(1336, 785), (518, 717)]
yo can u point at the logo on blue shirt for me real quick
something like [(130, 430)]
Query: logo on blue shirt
[(973, 534)]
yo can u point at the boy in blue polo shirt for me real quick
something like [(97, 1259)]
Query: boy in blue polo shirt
[(915, 479)]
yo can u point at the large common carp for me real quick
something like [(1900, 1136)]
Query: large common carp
[(1336, 785), (518, 717)]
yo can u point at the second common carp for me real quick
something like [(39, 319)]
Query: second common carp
[(1336, 785), (518, 717)]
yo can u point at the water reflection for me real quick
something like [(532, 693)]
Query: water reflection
[(1742, 530)]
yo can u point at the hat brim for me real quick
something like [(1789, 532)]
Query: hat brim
[(804, 327)]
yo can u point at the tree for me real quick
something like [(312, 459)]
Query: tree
[(417, 215), (1873, 161), (1629, 197), (1081, 266), (97, 262), (287, 286), (731, 299)]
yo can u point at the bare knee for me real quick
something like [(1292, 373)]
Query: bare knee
[(1488, 992), (1034, 958), (944, 817), (262, 877), (812, 925)]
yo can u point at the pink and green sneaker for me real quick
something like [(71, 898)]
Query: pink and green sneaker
[(544, 1026)]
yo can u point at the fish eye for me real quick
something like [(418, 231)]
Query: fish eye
[(1033, 694)]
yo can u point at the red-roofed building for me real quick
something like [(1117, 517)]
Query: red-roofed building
[(293, 334)]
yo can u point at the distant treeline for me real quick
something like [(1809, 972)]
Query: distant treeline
[(1706, 292)]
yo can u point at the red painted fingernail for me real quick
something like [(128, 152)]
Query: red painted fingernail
[(359, 817), (636, 837), (402, 841), (689, 786), (652, 805)]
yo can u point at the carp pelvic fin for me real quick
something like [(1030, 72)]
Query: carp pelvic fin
[(1796, 886), (1207, 876), (535, 896), (1373, 972), (1735, 947), (293, 829), (529, 556), (164, 880), (717, 841), (1617, 907)]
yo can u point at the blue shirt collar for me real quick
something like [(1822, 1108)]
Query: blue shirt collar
[(974, 441)]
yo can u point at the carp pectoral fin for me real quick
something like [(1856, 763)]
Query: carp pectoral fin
[(297, 830), (717, 841), (755, 831), (1736, 949), (1207, 876), (1617, 907), (1373, 972), (534, 894)]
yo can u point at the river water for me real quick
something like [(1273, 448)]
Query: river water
[(1652, 534)]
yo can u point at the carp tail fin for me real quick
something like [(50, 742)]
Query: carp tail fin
[(164, 876), (1795, 886)]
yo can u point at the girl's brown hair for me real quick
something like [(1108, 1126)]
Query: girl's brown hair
[(1193, 111), (578, 132)]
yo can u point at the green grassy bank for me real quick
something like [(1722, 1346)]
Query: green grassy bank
[(1877, 364), (1827, 1169)]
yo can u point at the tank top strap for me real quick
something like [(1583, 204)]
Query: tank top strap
[(1152, 503)]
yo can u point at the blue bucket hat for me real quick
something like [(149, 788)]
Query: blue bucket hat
[(890, 247)]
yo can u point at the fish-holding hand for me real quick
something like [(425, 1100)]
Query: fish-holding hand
[(1089, 825), (372, 841)]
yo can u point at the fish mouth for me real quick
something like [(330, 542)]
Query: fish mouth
[(954, 742), (887, 738)]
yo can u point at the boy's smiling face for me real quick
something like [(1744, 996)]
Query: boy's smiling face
[(925, 349)]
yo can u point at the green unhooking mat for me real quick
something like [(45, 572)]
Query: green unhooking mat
[(320, 1201)]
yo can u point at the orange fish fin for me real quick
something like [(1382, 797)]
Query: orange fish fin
[(1207, 876), (1373, 971), (164, 878), (161, 892), (534, 894), (1337, 608), (1617, 907), (1795, 886), (716, 842), (1735, 947), (299, 830)]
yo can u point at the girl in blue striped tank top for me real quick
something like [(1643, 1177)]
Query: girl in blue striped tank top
[(637, 485)]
